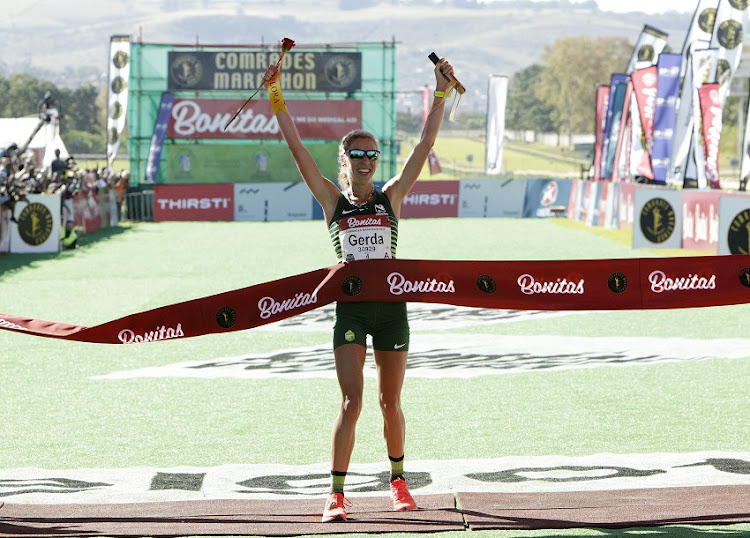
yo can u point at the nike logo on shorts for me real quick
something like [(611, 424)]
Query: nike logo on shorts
[(398, 346)]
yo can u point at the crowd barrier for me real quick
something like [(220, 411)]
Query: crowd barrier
[(465, 198), (714, 222), (34, 225)]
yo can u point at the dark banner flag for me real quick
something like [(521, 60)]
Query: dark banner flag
[(240, 69), (612, 127), (621, 164), (157, 139), (602, 101), (665, 116), (645, 89), (710, 103)]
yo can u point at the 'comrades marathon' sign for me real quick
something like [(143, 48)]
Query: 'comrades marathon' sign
[(244, 69)]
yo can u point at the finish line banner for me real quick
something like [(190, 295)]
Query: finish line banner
[(615, 284)]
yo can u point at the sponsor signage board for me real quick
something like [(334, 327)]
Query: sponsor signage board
[(491, 198), (657, 218), (430, 199), (272, 201), (543, 195), (194, 202), (205, 119), (37, 225), (734, 224), (700, 220), (243, 69), (625, 202)]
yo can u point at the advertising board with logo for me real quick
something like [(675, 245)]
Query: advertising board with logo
[(657, 218), (37, 226), (591, 193), (272, 201), (734, 224), (491, 198), (194, 202), (544, 195), (700, 220), (626, 201), (430, 199), (206, 119), (243, 69), (609, 206)]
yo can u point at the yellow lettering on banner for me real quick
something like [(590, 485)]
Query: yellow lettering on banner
[(277, 98)]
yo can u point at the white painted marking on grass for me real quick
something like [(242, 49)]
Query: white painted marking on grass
[(522, 474), (453, 355), (423, 317)]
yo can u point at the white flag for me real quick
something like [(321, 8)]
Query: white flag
[(119, 73), (650, 44), (497, 94), (700, 32), (729, 29)]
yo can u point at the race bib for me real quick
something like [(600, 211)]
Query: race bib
[(365, 237)]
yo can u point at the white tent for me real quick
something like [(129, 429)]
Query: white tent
[(43, 145)]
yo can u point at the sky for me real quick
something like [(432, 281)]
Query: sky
[(647, 6), (644, 6)]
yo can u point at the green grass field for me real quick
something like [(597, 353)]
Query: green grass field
[(58, 414)]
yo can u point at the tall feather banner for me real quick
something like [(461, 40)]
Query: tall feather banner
[(119, 73)]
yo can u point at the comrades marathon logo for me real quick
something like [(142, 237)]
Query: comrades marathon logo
[(118, 85), (739, 4), (117, 111), (35, 224), (744, 278), (531, 286), (729, 34), (120, 59), (126, 336), (226, 317), (351, 286), (486, 284), (660, 282), (269, 306), (706, 20), (738, 235), (400, 285), (646, 53), (617, 282), (658, 220), (186, 71), (340, 71), (723, 70)]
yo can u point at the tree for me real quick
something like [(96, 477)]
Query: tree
[(24, 95), (84, 112), (81, 120), (524, 110), (573, 68)]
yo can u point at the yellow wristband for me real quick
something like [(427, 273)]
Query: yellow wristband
[(443, 94), (274, 93)]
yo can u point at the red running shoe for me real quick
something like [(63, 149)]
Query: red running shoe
[(402, 499), (335, 508)]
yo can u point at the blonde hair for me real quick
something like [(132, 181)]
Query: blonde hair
[(346, 144)]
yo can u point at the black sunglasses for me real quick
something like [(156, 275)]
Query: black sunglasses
[(359, 154)]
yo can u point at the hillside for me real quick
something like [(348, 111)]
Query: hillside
[(67, 42)]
